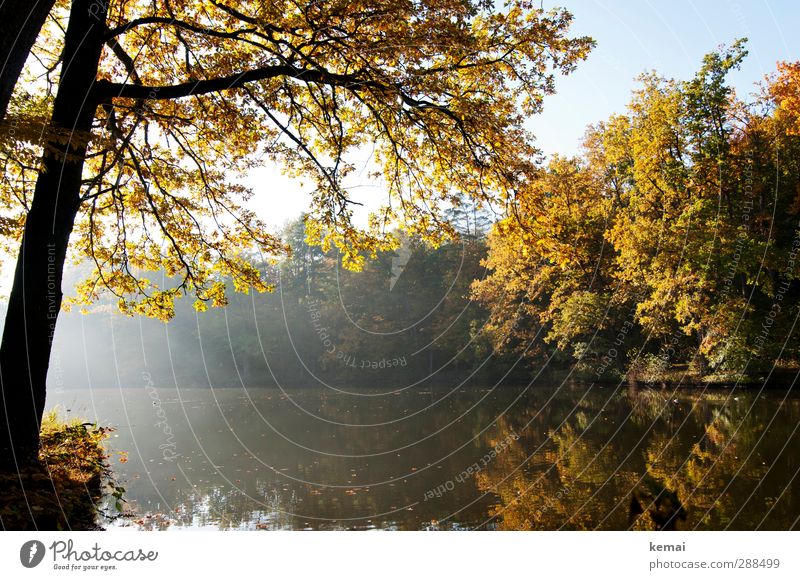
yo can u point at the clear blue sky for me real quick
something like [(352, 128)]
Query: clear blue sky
[(670, 37)]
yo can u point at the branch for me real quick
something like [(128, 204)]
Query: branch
[(177, 24), (108, 90), (125, 59)]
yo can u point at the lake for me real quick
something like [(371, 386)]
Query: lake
[(576, 457)]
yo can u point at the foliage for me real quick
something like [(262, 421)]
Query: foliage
[(674, 234), (785, 90), (194, 96)]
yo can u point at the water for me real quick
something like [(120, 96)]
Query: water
[(503, 458)]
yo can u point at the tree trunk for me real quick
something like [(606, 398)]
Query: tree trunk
[(20, 23), (35, 299)]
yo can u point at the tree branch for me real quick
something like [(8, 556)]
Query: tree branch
[(108, 90), (177, 24)]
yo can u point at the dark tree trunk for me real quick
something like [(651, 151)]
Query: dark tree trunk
[(20, 23), (35, 298)]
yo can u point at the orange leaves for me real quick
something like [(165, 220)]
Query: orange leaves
[(785, 90)]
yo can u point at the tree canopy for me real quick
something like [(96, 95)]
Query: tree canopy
[(194, 95), (672, 239)]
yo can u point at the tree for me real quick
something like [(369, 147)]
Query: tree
[(20, 23), (672, 236), (161, 105), (785, 90), (550, 277)]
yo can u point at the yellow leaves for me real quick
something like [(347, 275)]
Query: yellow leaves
[(352, 259), (165, 198), (217, 295), (158, 304), (315, 235), (543, 254), (353, 244)]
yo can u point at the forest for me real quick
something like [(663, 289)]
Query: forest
[(665, 253)]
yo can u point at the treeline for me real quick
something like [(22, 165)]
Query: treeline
[(670, 245), (406, 318)]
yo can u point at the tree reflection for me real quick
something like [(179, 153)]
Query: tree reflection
[(651, 460), (559, 458)]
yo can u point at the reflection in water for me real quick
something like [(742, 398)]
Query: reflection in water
[(505, 458)]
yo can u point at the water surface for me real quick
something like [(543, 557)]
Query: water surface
[(503, 458)]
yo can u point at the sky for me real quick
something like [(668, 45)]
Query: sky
[(669, 37), (632, 37)]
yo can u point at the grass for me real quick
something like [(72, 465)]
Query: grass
[(70, 488)]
